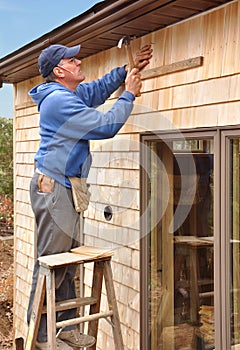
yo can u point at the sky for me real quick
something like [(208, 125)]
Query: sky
[(23, 21)]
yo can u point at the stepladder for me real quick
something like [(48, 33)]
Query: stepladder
[(45, 290)]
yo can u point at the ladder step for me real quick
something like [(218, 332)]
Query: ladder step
[(72, 304), (88, 318)]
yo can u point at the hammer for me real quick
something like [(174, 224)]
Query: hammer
[(126, 41)]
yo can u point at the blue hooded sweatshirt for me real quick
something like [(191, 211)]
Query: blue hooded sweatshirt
[(68, 120)]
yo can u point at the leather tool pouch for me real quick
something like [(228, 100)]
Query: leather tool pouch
[(45, 183), (81, 195)]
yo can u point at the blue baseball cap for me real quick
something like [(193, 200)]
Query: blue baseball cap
[(52, 55)]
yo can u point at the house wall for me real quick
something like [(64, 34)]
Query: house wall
[(198, 97), (25, 145)]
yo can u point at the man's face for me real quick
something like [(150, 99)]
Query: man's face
[(72, 68)]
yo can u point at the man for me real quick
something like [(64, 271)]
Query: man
[(58, 191)]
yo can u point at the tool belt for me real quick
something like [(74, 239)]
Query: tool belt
[(45, 183), (81, 195)]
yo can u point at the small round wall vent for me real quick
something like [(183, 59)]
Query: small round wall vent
[(108, 213)]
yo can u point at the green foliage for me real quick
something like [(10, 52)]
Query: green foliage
[(6, 152)]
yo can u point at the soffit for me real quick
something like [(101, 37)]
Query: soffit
[(100, 28)]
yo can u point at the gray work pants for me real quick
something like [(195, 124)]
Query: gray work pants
[(57, 232)]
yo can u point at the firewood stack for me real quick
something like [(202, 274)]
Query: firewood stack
[(207, 323)]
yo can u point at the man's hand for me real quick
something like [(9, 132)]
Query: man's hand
[(133, 82), (143, 57)]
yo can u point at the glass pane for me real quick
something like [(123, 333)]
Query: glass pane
[(181, 286), (235, 243)]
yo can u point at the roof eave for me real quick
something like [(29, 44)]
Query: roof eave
[(97, 29)]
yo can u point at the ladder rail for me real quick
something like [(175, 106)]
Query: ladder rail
[(36, 313)]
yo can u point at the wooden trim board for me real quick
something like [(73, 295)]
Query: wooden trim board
[(173, 67)]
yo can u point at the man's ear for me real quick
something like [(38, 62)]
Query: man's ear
[(58, 72)]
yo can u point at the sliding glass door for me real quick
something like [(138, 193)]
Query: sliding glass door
[(179, 248), (190, 246)]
